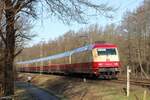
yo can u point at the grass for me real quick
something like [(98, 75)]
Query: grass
[(72, 89)]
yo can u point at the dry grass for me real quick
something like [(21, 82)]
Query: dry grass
[(73, 89)]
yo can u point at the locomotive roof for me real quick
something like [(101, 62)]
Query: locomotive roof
[(68, 53), (104, 45)]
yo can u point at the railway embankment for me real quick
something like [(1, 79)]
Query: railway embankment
[(71, 88)]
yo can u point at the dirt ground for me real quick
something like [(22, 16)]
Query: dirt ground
[(68, 88)]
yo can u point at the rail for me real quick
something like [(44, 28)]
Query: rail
[(143, 83)]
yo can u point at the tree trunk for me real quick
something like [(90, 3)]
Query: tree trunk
[(141, 67), (8, 75), (9, 49)]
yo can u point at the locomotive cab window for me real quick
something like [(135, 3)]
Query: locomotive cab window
[(106, 51)]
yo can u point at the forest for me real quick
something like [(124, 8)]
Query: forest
[(131, 35)]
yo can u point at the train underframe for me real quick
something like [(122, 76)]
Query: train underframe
[(102, 73), (108, 73)]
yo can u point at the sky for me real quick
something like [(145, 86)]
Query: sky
[(47, 28)]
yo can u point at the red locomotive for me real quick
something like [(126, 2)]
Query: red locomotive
[(99, 59)]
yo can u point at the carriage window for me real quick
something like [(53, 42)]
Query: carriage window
[(104, 51)]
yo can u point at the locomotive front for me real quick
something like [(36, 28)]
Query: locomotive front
[(106, 61)]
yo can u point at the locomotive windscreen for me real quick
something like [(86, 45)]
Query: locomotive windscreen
[(106, 51)]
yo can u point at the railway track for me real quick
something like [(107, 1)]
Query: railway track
[(137, 82), (143, 83)]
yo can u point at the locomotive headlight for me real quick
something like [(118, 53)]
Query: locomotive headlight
[(116, 64), (100, 64)]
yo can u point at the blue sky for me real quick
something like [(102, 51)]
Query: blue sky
[(48, 28)]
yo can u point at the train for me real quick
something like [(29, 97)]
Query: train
[(96, 60)]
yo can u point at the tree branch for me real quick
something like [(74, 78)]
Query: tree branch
[(17, 53)]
